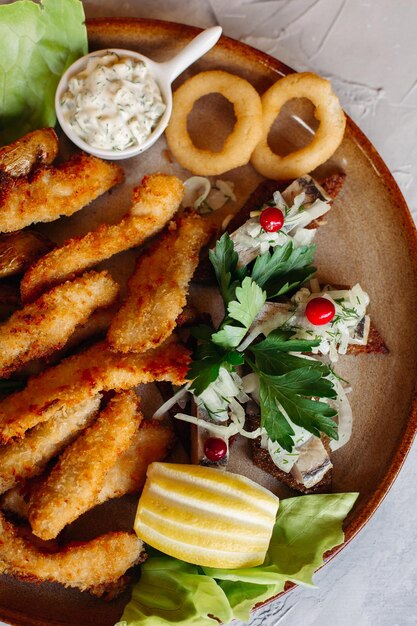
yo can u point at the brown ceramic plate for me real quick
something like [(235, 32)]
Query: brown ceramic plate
[(369, 238)]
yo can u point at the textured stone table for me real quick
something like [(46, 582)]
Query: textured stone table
[(369, 51)]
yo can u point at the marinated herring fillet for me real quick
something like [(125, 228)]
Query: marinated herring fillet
[(154, 203), (46, 325), (159, 286), (82, 376), (91, 565), (40, 147), (75, 481), (28, 457), (55, 191)]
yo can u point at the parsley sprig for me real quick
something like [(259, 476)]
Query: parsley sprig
[(291, 386)]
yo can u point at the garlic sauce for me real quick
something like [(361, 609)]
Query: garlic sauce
[(114, 103)]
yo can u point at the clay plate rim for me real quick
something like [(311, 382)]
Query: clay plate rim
[(116, 27), (160, 27)]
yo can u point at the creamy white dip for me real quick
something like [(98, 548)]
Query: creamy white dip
[(114, 103)]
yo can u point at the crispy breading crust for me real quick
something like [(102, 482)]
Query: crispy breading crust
[(151, 443), (28, 457), (154, 203), (159, 286), (82, 376), (55, 191), (72, 487), (92, 565), (40, 147), (46, 325)]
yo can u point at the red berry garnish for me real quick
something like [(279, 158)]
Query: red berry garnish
[(271, 219), (320, 311), (215, 449)]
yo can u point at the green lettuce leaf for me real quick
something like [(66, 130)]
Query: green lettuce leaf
[(173, 592), (243, 596), (306, 527), (39, 42)]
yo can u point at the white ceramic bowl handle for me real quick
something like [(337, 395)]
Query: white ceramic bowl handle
[(192, 51)]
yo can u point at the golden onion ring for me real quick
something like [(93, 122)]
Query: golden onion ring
[(241, 142), (326, 140)]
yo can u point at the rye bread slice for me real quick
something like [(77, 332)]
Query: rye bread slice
[(262, 459)]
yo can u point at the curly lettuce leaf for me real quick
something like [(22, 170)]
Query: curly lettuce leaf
[(173, 592), (39, 42)]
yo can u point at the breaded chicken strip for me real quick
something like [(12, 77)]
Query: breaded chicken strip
[(55, 191), (40, 147), (16, 500), (75, 481), (83, 376), (92, 565), (154, 203), (46, 325), (151, 443), (159, 287), (28, 457)]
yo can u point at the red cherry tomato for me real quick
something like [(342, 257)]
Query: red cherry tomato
[(271, 219), (215, 449), (320, 311)]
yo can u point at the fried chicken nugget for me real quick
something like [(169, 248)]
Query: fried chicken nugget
[(75, 481), (83, 376), (154, 203), (92, 565), (28, 457), (45, 325), (159, 286), (55, 191)]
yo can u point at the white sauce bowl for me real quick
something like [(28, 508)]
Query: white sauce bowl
[(163, 73)]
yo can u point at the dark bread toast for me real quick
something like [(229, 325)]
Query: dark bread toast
[(262, 459), (374, 345)]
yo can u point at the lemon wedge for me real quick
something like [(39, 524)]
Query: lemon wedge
[(205, 516)]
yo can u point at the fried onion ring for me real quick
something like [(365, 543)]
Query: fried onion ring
[(246, 133), (326, 140)]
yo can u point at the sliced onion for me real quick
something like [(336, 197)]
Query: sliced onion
[(223, 431), (197, 188), (164, 408), (345, 417), (317, 209)]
